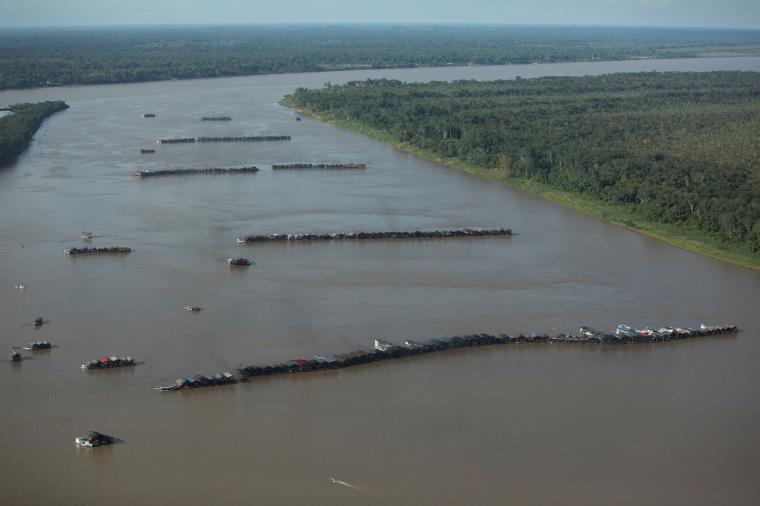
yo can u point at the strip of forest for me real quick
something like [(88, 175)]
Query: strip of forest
[(61, 56), (676, 155), (18, 128)]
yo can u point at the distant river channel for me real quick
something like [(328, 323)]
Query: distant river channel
[(670, 423)]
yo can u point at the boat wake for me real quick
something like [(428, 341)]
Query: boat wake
[(343, 483)]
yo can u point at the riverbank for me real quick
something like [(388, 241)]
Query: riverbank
[(688, 240), (18, 128)]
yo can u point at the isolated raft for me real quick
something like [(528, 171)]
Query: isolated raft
[(328, 166), (98, 251), (195, 172), (248, 138), (384, 350), (358, 236)]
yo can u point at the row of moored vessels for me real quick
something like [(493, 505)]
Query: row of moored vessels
[(108, 363), (199, 380), (383, 350), (187, 172), (245, 138), (289, 166), (432, 234), (98, 251)]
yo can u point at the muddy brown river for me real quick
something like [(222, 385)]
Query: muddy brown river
[(673, 423)]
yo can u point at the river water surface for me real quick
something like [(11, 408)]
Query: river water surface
[(674, 423)]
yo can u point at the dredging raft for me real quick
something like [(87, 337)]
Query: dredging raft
[(108, 363), (329, 166), (98, 251), (195, 172), (385, 350), (358, 236), (245, 138)]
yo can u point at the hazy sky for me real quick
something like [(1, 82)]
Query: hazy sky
[(718, 13)]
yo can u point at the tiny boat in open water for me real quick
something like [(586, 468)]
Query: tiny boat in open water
[(86, 236), (238, 262), (92, 439), (193, 309), (15, 356), (38, 322)]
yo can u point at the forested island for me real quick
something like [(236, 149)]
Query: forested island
[(53, 57), (18, 128), (674, 155)]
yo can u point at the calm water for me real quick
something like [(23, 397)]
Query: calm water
[(669, 424)]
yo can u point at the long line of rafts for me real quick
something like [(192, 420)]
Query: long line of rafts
[(192, 172), (98, 251), (385, 351), (246, 138), (292, 166), (432, 234)]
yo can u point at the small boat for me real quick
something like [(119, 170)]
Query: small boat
[(149, 115), (193, 309), (298, 118), (645, 332), (147, 151), (38, 345), (238, 262), (38, 322), (86, 236), (20, 288), (92, 439), (15, 356), (383, 346), (666, 330), (240, 240), (625, 330), (412, 345)]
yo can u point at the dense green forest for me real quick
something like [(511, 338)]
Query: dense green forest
[(17, 129), (50, 57), (675, 148)]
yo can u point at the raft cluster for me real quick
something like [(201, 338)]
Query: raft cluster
[(38, 345), (384, 350), (108, 363), (286, 166), (187, 172), (97, 251), (434, 234), (250, 138), (200, 380)]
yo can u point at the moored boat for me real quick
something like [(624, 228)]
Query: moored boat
[(14, 356), (383, 346), (108, 363)]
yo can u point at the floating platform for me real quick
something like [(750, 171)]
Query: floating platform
[(384, 350), (194, 172), (98, 251), (358, 236), (37, 345), (249, 138), (108, 363), (327, 166)]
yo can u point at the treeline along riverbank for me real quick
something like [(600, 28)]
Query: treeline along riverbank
[(671, 154), (54, 57), (18, 128)]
